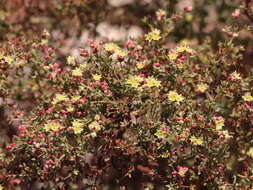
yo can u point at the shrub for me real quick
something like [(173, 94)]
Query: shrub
[(133, 115)]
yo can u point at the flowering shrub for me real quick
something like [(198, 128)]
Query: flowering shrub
[(133, 115)]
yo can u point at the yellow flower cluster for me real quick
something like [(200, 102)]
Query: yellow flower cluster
[(153, 35), (202, 87), (52, 126), (152, 82), (196, 141), (59, 98), (219, 122), (247, 97), (175, 97), (77, 126), (134, 81), (77, 72)]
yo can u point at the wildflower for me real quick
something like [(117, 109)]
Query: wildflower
[(111, 47), (77, 126), (182, 170), (96, 77), (160, 14), (196, 141), (225, 134), (45, 33), (250, 152), (8, 59), (247, 97), (10, 147), (70, 59), (184, 48), (75, 98), (235, 76), (153, 35), (82, 66), (140, 65), (180, 65), (120, 53), (52, 126), (172, 55), (152, 82), (202, 87), (160, 133), (59, 98), (236, 14), (1, 55), (134, 81), (77, 72), (95, 126), (219, 122), (175, 97), (70, 109), (44, 41)]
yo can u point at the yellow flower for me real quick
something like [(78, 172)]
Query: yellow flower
[(111, 47), (180, 66), (8, 59), (70, 59), (54, 126), (175, 97), (1, 187), (75, 98), (235, 76), (95, 126), (247, 97), (77, 126), (44, 41), (1, 55), (196, 141), (77, 72), (140, 65), (120, 53), (96, 77), (82, 66), (153, 35), (161, 12), (160, 134), (172, 55), (134, 81), (70, 109), (152, 82), (59, 98), (184, 48), (202, 87), (250, 152), (219, 122)]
